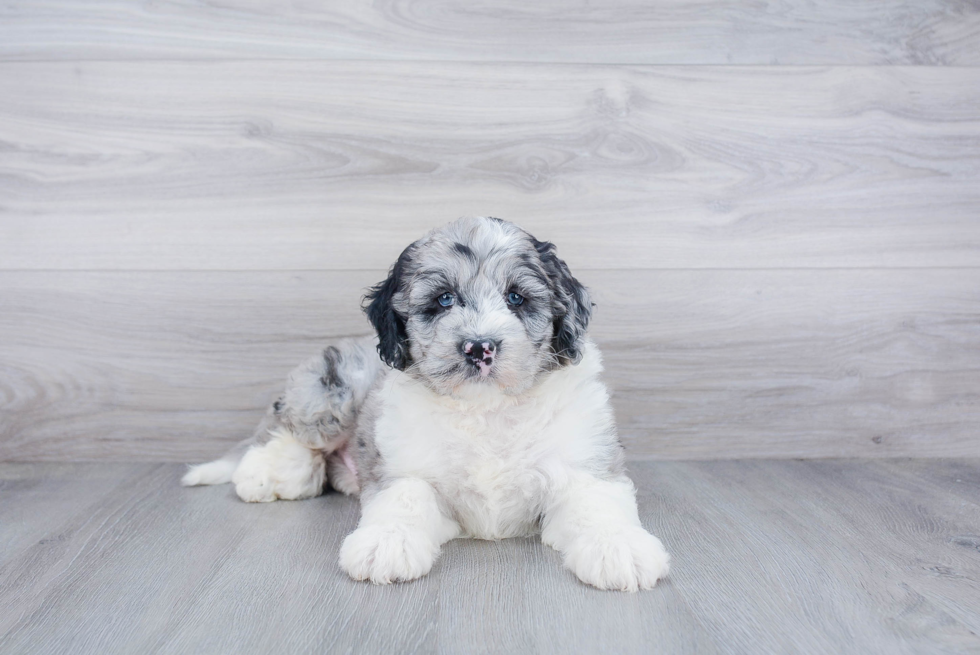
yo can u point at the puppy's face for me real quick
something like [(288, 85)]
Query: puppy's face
[(479, 302)]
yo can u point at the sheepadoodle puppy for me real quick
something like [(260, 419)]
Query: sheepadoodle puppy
[(484, 417)]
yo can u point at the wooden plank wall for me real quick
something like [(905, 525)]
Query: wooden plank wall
[(777, 206)]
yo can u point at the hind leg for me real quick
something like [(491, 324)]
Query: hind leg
[(315, 416), (280, 469)]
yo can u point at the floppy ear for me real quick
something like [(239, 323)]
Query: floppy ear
[(389, 324), (572, 305)]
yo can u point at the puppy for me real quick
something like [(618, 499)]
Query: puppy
[(484, 417)]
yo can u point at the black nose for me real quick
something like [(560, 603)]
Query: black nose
[(479, 349)]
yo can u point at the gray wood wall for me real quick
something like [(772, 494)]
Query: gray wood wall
[(776, 204)]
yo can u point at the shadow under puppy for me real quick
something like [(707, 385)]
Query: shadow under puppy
[(486, 418)]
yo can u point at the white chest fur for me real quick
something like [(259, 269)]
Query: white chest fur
[(494, 459)]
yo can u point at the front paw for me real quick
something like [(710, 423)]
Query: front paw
[(387, 553), (627, 559)]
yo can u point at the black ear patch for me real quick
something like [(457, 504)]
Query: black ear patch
[(389, 324), (572, 305)]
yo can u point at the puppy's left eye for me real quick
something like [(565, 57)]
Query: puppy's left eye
[(515, 298)]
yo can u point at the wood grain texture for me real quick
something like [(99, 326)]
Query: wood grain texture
[(818, 536), (176, 366), (803, 557), (41, 499), (339, 165), (931, 32)]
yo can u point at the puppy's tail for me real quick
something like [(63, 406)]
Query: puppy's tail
[(319, 408), (216, 472), (220, 470)]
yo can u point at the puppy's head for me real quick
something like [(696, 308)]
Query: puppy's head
[(479, 302)]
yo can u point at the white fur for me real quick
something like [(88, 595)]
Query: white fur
[(399, 534), (594, 525), (440, 445), (216, 472), (499, 462), (281, 469)]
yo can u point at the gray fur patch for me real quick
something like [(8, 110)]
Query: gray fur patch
[(330, 400)]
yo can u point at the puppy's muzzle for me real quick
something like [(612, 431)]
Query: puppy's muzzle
[(480, 352)]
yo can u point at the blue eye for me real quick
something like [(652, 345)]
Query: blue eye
[(515, 298), (446, 300)]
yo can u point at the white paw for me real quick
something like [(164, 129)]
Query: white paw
[(254, 486), (387, 553), (281, 469), (627, 559)]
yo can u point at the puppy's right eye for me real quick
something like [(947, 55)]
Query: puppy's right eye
[(446, 300)]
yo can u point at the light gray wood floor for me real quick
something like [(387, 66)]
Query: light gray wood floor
[(811, 557)]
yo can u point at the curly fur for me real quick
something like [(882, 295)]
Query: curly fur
[(440, 442)]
